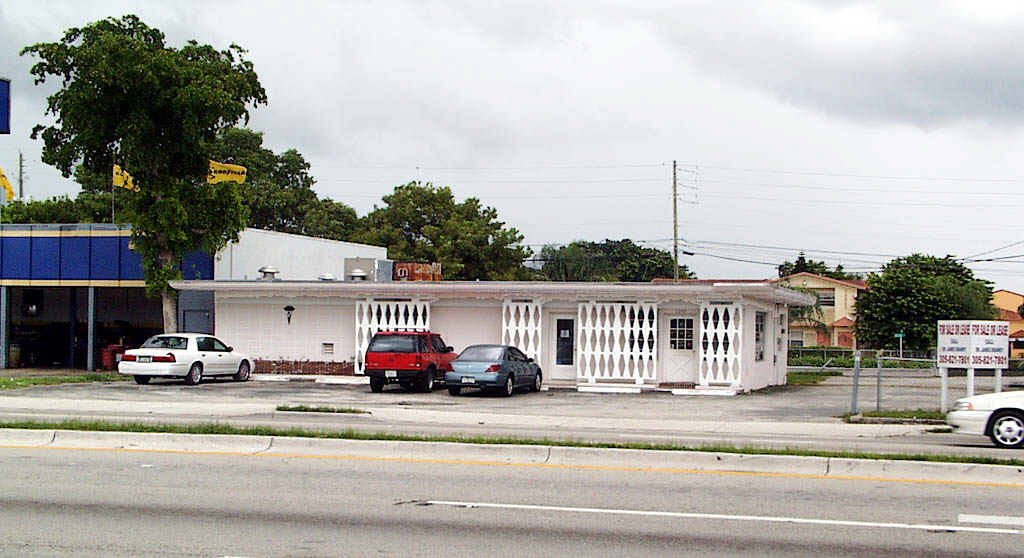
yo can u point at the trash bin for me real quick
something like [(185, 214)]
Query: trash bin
[(111, 356)]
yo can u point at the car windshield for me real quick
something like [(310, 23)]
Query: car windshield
[(393, 344), (482, 353), (165, 342)]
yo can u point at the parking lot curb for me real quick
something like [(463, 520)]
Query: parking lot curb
[(319, 379), (524, 455)]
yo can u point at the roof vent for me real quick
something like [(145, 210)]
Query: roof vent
[(326, 277), (357, 275), (268, 273)]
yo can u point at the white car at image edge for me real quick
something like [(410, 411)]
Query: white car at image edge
[(192, 356), (1000, 416)]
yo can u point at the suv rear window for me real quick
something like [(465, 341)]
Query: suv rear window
[(393, 344)]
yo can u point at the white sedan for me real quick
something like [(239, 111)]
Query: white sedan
[(1000, 416), (191, 356)]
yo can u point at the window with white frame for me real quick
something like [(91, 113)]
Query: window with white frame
[(680, 334), (759, 322)]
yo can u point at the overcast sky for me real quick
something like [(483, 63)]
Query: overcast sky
[(855, 131)]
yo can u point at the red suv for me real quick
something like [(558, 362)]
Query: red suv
[(414, 359)]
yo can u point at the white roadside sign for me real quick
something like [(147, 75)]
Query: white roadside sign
[(973, 344)]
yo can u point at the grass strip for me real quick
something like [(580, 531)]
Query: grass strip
[(218, 428), (310, 409), (807, 377), (18, 382), (933, 414)]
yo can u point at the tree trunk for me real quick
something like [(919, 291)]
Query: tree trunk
[(170, 304)]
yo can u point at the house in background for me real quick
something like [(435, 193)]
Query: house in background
[(1008, 302), (835, 326)]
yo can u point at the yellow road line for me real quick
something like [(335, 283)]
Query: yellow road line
[(526, 465)]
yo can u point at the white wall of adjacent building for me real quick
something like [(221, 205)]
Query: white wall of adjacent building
[(260, 328), (290, 254)]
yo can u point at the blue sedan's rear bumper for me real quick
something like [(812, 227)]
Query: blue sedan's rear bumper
[(479, 380)]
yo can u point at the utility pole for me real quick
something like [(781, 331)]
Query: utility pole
[(675, 224), (21, 176)]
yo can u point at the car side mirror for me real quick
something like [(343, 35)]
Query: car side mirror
[(449, 349), (529, 360), (231, 349)]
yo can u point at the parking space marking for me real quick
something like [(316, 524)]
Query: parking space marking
[(991, 519), (726, 517)]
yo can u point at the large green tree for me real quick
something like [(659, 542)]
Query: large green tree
[(802, 264), (423, 222), (611, 260), (127, 97), (912, 293)]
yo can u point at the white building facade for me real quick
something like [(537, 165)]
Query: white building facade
[(693, 337)]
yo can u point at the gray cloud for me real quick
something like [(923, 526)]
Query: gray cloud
[(927, 64)]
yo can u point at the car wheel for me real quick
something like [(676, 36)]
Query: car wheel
[(1007, 429), (454, 390), (195, 374), (427, 383), (536, 382), (243, 372), (143, 380), (376, 385), (510, 386)]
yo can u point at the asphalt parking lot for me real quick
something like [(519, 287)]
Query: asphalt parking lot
[(813, 403)]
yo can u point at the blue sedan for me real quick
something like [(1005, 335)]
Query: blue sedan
[(493, 367)]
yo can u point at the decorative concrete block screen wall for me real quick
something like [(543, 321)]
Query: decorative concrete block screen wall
[(720, 345), (521, 326), (617, 341), (387, 315)]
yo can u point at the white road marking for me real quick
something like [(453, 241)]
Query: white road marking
[(689, 515), (991, 519)]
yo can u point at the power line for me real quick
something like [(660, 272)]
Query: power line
[(871, 176), (868, 190), (1011, 245), (845, 202)]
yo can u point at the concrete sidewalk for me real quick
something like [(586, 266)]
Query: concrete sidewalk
[(544, 456)]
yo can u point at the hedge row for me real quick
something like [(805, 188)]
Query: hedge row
[(847, 362)]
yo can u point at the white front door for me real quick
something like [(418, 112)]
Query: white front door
[(678, 348), (562, 347)]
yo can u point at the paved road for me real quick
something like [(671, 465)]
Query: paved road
[(133, 503), (794, 417)]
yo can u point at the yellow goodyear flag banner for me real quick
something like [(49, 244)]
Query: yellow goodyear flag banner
[(223, 172), (6, 184), (123, 179)]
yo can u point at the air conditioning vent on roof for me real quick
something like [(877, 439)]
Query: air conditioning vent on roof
[(268, 273)]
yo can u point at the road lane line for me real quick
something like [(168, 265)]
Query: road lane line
[(341, 457), (991, 519), (727, 517)]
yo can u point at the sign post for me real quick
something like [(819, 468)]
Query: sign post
[(900, 336), (972, 344)]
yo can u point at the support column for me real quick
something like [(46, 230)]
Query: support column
[(970, 382), (72, 322), (90, 357), (999, 380), (4, 326)]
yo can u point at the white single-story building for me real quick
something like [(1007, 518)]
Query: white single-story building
[(704, 336)]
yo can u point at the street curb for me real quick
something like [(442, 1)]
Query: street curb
[(319, 379), (525, 455)]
